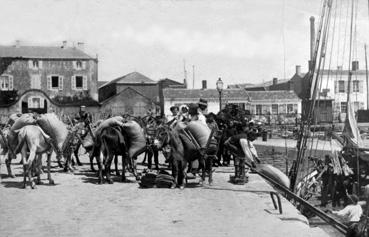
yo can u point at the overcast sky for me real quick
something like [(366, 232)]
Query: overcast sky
[(239, 40)]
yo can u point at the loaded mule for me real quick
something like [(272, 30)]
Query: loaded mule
[(187, 143), (34, 140), (113, 137)]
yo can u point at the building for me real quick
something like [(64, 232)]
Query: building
[(45, 78), (135, 94)]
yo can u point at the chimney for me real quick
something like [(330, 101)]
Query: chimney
[(298, 70), (185, 83), (355, 65), (81, 46), (203, 84), (339, 68), (64, 44), (275, 81), (17, 44), (312, 37)]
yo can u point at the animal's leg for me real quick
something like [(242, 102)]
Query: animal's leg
[(184, 174), (30, 161), (124, 179), (175, 173), (51, 181), (76, 154), (109, 159), (116, 165), (202, 163), (8, 162), (38, 168), (92, 160), (99, 165), (210, 170)]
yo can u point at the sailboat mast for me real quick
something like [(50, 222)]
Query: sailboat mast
[(367, 78)]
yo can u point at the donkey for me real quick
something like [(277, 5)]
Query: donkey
[(113, 143), (31, 139), (167, 139)]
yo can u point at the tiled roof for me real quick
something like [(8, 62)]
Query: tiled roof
[(124, 91), (132, 78), (42, 52), (100, 83), (335, 72), (211, 94), (272, 95), (175, 93)]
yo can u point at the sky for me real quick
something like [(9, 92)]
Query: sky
[(241, 41)]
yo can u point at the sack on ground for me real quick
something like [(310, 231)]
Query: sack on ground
[(53, 127), (23, 120), (148, 180), (274, 173), (135, 138), (164, 181), (13, 118)]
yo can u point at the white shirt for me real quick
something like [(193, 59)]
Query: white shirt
[(352, 212)]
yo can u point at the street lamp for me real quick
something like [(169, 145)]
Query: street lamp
[(220, 89)]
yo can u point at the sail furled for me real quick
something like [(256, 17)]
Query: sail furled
[(351, 130)]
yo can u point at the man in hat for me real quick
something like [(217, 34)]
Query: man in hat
[(202, 111), (351, 212), (172, 118)]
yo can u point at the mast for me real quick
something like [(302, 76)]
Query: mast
[(367, 79), (305, 125)]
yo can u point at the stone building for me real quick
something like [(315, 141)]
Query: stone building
[(134, 94), (44, 78)]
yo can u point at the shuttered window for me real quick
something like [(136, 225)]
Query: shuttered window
[(55, 82), (6, 82), (79, 82)]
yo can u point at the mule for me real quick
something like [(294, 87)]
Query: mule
[(32, 141), (167, 139), (113, 143)]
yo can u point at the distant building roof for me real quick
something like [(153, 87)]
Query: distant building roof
[(100, 83), (131, 78), (272, 95), (124, 91), (208, 94), (42, 52)]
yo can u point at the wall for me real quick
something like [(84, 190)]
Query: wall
[(21, 73), (129, 101)]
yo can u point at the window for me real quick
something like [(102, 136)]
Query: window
[(341, 86), (343, 107), (55, 82), (6, 82), (79, 65), (355, 86), (274, 109), (258, 109), (35, 64), (79, 82), (290, 108), (36, 102)]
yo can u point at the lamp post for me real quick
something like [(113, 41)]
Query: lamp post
[(220, 89)]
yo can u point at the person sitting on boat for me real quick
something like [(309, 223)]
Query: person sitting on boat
[(352, 212)]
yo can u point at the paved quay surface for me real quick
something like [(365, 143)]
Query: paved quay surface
[(77, 206)]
